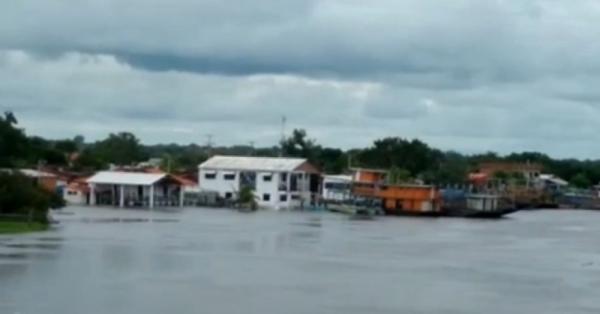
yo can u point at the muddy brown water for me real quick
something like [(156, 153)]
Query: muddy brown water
[(101, 261)]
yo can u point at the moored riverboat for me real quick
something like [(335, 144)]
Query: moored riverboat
[(458, 203)]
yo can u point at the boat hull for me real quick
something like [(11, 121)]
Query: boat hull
[(471, 213)]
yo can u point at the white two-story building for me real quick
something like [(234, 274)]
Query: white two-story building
[(278, 183)]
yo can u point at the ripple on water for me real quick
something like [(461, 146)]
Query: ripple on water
[(51, 239), (13, 256), (40, 246), (126, 220)]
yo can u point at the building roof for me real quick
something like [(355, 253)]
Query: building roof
[(36, 173), (184, 181), (252, 163), (338, 177), (553, 179), (508, 166), (78, 186), (373, 170), (126, 178)]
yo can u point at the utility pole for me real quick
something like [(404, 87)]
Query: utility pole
[(349, 161), (209, 143), (283, 122), (251, 148)]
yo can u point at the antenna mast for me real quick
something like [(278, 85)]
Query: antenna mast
[(283, 122), (209, 143)]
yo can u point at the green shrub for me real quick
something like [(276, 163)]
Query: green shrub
[(20, 196)]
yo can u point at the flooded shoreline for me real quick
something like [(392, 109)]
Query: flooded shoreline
[(221, 261)]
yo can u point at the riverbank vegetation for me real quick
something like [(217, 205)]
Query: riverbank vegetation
[(410, 158), (17, 227), (24, 205), (21, 200)]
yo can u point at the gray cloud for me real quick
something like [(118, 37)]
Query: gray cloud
[(470, 75)]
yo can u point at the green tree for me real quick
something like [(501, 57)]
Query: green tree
[(246, 197), (79, 141), (332, 160), (299, 145), (414, 156), (14, 145), (66, 146), (581, 181), (501, 176), (20, 195), (122, 148), (88, 160), (452, 169), (398, 176)]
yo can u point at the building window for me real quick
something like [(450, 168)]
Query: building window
[(295, 197), (283, 198), (283, 186), (266, 197), (210, 176), (268, 178), (248, 180), (229, 176), (228, 195), (337, 186), (72, 192), (294, 180)]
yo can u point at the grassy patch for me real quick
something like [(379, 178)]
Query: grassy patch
[(15, 227)]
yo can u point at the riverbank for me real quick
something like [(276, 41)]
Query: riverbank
[(17, 227)]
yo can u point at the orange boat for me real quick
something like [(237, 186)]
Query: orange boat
[(397, 199)]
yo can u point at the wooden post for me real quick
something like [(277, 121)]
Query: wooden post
[(151, 205), (181, 196), (92, 194), (121, 196)]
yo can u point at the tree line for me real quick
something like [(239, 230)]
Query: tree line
[(408, 158), (20, 197)]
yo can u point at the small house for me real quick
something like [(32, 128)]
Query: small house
[(77, 192), (135, 189)]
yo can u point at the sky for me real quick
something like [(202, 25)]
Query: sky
[(464, 75)]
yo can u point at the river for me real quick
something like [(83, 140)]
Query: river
[(100, 261)]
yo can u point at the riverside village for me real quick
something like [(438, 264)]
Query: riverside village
[(248, 183)]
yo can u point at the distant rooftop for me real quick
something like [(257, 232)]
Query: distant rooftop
[(126, 178), (340, 177), (252, 163), (369, 170), (30, 173)]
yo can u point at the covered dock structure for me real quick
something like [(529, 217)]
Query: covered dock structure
[(133, 189)]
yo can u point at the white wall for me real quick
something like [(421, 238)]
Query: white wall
[(219, 184), (74, 197), (336, 194), (271, 188), (222, 186)]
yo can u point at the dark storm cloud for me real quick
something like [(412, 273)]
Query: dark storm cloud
[(473, 75), (337, 65)]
